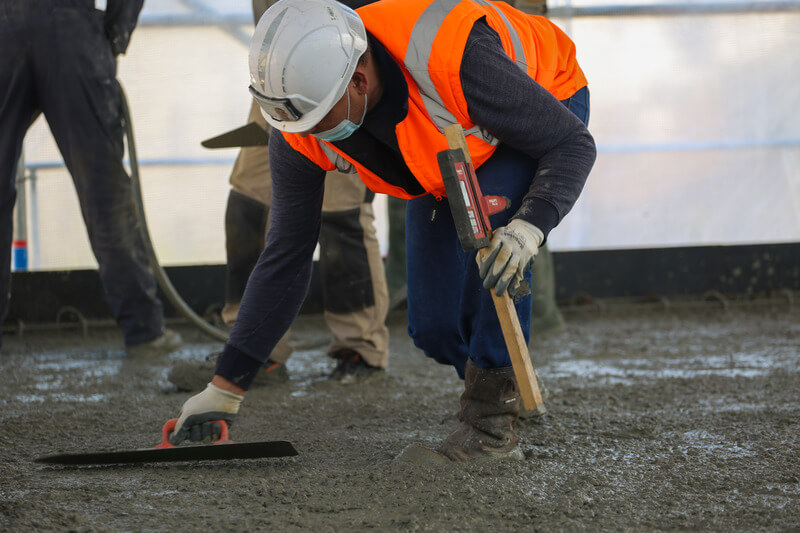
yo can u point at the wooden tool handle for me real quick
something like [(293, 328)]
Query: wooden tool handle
[(506, 312)]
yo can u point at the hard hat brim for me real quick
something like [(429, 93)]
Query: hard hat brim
[(286, 72)]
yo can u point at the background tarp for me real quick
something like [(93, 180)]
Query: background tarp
[(696, 120)]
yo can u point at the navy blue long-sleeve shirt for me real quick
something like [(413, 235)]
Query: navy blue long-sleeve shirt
[(500, 97)]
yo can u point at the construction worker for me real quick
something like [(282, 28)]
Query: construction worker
[(59, 58), (355, 296), (373, 89)]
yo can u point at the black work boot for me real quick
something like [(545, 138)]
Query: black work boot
[(191, 376), (167, 342), (490, 407), (351, 368)]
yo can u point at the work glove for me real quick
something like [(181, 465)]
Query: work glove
[(196, 416), (509, 256)]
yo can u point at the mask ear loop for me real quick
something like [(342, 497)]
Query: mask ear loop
[(364, 114)]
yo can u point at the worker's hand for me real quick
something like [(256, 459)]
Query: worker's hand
[(510, 254), (197, 414)]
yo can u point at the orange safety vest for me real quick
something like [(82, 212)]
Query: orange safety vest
[(427, 39)]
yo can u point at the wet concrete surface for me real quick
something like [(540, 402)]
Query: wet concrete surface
[(658, 420)]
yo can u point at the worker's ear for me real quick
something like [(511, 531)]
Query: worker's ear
[(360, 80)]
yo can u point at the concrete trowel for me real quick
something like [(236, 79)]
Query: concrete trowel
[(250, 134), (221, 449)]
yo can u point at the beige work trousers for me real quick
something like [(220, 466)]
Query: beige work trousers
[(363, 331)]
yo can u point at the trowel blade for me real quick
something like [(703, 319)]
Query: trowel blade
[(244, 450), (249, 135)]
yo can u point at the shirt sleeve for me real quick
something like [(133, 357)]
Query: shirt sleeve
[(120, 20), (521, 113), (281, 278)]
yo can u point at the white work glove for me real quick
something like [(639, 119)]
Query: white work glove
[(197, 414), (510, 254)]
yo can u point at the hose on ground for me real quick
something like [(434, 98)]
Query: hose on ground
[(161, 276)]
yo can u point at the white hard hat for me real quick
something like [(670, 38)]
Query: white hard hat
[(302, 56)]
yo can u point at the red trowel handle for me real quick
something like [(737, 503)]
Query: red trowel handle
[(169, 427)]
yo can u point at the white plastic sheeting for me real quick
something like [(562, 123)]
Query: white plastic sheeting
[(696, 119), (697, 125)]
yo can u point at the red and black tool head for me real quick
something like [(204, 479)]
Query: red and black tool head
[(469, 207)]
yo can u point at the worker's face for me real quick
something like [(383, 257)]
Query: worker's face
[(365, 82), (339, 112)]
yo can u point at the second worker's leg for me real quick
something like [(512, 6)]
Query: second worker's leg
[(546, 318), (355, 294), (245, 225), (82, 104), (17, 112)]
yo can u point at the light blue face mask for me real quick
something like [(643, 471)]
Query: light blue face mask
[(345, 128)]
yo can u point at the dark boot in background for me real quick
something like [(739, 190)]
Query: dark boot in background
[(164, 344), (189, 376), (490, 407)]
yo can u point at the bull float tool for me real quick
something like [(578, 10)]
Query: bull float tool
[(471, 211), (221, 449)]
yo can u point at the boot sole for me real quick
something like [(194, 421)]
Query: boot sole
[(422, 455)]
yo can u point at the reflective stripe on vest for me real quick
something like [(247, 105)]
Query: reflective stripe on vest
[(419, 53), (342, 165)]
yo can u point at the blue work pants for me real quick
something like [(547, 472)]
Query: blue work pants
[(451, 316)]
